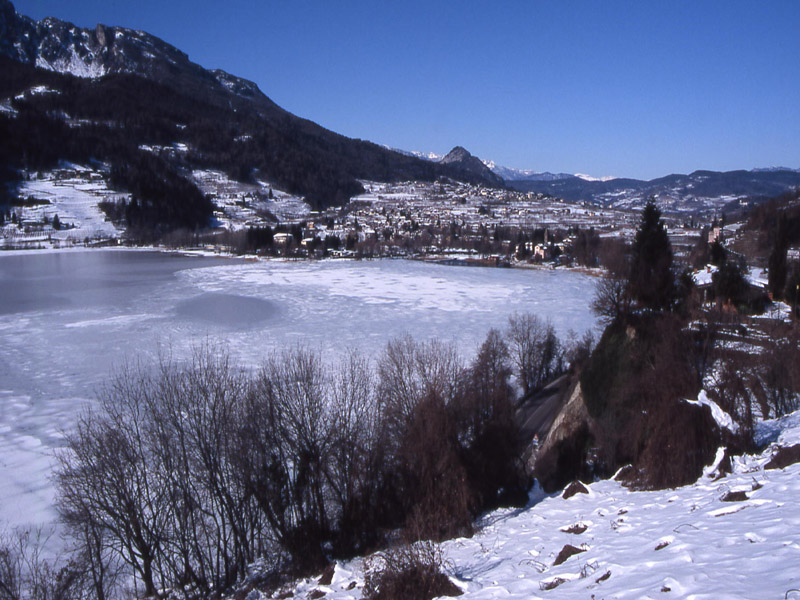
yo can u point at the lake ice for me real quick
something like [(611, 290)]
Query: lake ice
[(68, 319)]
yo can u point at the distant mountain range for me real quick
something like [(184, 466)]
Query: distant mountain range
[(702, 191), (697, 191)]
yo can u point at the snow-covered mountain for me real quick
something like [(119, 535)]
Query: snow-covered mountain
[(62, 47), (586, 177), (697, 191), (430, 156), (774, 170), (510, 174)]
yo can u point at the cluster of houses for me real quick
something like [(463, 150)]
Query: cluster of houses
[(447, 218)]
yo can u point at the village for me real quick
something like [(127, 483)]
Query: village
[(443, 220)]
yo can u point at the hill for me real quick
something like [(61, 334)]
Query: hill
[(699, 191)]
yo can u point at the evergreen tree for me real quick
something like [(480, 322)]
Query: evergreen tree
[(729, 283), (717, 253), (651, 281), (777, 259)]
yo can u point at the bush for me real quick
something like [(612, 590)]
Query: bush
[(634, 385), (26, 575), (408, 572), (186, 473), (680, 440)]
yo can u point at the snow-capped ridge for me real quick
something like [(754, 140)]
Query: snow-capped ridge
[(510, 174), (590, 178), (430, 156), (773, 170)]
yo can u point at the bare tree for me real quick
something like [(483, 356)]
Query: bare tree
[(409, 371), (611, 298), (105, 472), (26, 574), (356, 466), (290, 433), (147, 481), (778, 371), (535, 350)]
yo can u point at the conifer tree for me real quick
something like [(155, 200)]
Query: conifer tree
[(777, 259), (651, 282)]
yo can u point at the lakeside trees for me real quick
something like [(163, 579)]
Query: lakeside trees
[(187, 473)]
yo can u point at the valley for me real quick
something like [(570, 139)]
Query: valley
[(244, 356)]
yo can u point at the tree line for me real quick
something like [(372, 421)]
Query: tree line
[(184, 474)]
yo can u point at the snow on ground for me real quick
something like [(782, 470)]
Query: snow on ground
[(758, 277), (722, 418), (703, 277), (777, 310), (5, 106), (679, 543), (73, 193), (241, 204), (74, 65)]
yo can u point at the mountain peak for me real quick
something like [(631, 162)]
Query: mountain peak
[(461, 157), (457, 154)]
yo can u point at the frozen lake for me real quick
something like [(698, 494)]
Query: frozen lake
[(67, 319)]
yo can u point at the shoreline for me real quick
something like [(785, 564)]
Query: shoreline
[(449, 260)]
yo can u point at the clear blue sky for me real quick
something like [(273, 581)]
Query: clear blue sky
[(638, 89)]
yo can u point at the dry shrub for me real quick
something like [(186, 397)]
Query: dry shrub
[(682, 439), (434, 480), (408, 572), (546, 586)]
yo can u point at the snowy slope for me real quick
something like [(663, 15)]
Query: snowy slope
[(72, 192), (681, 543), (241, 205)]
